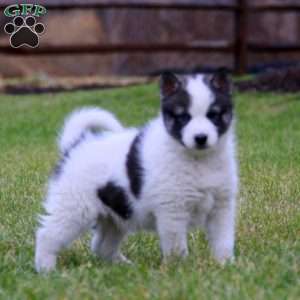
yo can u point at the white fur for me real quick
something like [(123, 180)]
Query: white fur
[(183, 188), (85, 119), (201, 95), (202, 98)]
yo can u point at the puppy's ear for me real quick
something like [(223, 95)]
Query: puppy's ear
[(169, 84), (221, 81)]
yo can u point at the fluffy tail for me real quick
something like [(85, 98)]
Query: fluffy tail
[(83, 120)]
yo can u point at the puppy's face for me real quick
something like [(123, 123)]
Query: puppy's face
[(197, 110)]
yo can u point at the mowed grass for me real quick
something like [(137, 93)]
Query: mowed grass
[(268, 225)]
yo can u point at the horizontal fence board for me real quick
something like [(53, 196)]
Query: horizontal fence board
[(166, 3), (192, 4), (108, 49), (158, 4), (275, 8), (273, 48), (239, 48)]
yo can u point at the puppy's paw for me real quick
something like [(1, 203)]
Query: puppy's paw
[(45, 263), (176, 256), (224, 256), (226, 260), (120, 258)]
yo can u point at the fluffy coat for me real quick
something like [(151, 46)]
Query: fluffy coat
[(176, 173)]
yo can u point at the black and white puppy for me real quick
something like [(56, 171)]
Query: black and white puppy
[(176, 173)]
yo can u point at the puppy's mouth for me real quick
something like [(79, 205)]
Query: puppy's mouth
[(201, 147)]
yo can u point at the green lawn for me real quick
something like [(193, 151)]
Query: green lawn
[(268, 233)]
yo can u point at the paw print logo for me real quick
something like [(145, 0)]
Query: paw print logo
[(24, 31)]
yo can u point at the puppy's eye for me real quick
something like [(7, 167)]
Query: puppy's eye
[(213, 115), (183, 118), (169, 114)]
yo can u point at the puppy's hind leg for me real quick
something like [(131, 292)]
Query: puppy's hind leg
[(58, 229), (106, 241)]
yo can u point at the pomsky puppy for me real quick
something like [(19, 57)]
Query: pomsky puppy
[(177, 172)]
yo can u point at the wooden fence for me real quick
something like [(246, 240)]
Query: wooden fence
[(239, 47)]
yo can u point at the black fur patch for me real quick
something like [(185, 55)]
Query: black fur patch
[(175, 112), (134, 167), (116, 199), (175, 102), (58, 169), (75, 144), (220, 113)]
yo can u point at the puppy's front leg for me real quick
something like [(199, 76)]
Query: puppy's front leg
[(220, 230), (172, 230)]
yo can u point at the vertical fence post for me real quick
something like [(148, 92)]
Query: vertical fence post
[(241, 37)]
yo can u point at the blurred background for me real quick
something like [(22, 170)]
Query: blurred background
[(103, 39)]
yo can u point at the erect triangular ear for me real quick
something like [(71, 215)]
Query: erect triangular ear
[(221, 81), (169, 84)]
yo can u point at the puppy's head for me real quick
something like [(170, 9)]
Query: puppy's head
[(197, 110)]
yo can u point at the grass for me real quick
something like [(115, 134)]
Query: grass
[(268, 231)]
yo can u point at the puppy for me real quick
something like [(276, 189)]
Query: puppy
[(176, 173)]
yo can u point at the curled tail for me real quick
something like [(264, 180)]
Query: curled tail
[(83, 120)]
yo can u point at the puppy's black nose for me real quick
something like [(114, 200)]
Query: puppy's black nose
[(201, 140)]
